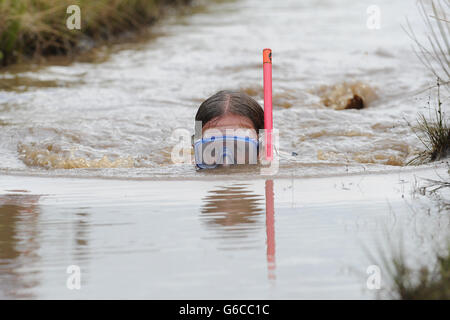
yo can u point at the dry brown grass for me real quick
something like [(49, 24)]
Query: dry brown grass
[(32, 28)]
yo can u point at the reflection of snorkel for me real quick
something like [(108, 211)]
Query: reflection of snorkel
[(270, 229)]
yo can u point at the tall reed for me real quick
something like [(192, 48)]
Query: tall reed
[(434, 131), (435, 52)]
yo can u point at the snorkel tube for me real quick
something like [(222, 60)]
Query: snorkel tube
[(268, 120)]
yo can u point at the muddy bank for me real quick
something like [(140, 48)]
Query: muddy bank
[(32, 30)]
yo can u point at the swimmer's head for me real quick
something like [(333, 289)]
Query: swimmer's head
[(230, 110), (230, 122)]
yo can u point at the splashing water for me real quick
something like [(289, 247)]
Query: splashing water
[(121, 111)]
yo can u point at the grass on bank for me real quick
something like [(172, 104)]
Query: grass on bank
[(434, 131), (34, 28), (400, 281), (425, 283)]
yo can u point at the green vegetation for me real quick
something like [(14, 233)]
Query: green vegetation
[(34, 28), (428, 282), (434, 133), (422, 282)]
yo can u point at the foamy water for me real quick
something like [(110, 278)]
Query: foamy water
[(118, 116)]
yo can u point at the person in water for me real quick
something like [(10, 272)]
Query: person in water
[(227, 130)]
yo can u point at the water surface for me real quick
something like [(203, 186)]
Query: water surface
[(86, 176), (254, 239)]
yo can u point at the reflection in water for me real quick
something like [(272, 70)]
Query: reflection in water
[(80, 250), (81, 228), (18, 243), (270, 229), (234, 211)]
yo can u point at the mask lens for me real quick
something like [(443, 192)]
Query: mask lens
[(213, 151)]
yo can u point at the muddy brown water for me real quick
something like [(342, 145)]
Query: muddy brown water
[(121, 111), (86, 176)]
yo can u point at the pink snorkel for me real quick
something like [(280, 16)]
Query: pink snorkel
[(268, 121)]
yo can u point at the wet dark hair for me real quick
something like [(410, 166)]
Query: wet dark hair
[(234, 102)]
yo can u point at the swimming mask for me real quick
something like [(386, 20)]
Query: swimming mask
[(225, 150)]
